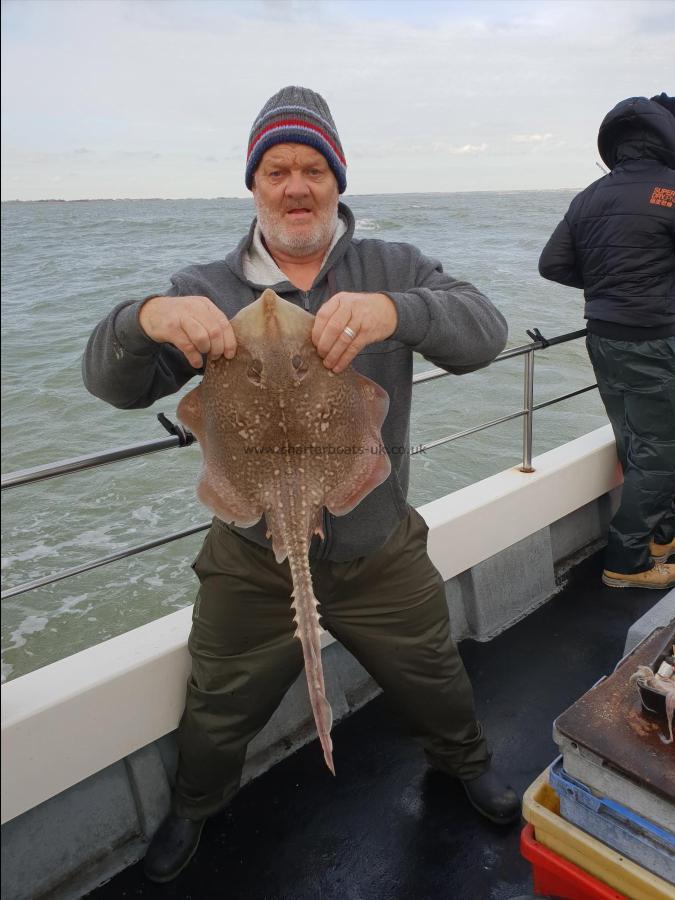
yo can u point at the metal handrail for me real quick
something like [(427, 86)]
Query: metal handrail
[(539, 343), (81, 463), (103, 561), (182, 438), (516, 415)]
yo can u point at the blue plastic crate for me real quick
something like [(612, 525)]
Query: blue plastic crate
[(638, 839)]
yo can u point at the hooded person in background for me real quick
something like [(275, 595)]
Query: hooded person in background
[(617, 242), (375, 304)]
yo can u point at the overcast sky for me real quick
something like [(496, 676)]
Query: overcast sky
[(155, 98)]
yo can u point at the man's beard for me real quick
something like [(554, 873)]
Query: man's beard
[(279, 236)]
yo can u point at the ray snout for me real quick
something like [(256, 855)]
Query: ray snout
[(272, 319), (270, 309)]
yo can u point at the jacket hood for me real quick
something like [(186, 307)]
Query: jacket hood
[(637, 128)]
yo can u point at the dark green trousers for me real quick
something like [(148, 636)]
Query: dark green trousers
[(636, 380), (387, 609)]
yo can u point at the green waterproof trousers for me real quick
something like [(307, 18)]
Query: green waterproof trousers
[(387, 609), (636, 380)]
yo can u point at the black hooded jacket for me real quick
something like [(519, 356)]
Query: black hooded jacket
[(617, 240)]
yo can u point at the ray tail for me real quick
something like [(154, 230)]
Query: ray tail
[(308, 631)]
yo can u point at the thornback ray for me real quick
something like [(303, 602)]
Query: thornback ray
[(282, 436)]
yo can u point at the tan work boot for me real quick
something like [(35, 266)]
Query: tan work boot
[(661, 552), (657, 578)]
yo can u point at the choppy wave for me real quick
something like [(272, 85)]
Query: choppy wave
[(376, 225), (30, 625)]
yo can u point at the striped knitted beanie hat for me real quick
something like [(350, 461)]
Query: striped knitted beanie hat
[(296, 115)]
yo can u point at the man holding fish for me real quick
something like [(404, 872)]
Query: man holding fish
[(277, 378)]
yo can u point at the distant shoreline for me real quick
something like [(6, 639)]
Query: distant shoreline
[(202, 199)]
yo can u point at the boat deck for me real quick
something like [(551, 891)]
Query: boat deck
[(387, 828)]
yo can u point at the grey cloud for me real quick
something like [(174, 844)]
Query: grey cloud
[(469, 95), (531, 138)]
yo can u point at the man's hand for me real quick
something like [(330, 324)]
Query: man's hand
[(194, 325), (372, 317)]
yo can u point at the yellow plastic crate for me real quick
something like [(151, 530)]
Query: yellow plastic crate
[(542, 809)]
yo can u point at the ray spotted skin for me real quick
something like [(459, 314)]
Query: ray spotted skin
[(283, 436)]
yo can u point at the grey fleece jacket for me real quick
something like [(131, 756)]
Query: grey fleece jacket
[(449, 322)]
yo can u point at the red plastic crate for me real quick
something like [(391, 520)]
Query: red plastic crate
[(557, 877)]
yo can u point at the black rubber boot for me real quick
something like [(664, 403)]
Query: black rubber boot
[(173, 846), (492, 798)]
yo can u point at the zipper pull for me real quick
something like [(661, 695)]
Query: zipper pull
[(305, 299)]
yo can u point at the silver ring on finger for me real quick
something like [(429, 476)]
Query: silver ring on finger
[(351, 334)]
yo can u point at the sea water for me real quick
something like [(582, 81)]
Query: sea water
[(64, 266)]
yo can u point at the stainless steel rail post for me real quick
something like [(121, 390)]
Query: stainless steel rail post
[(528, 407)]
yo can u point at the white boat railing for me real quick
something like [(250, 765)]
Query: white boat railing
[(180, 437)]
